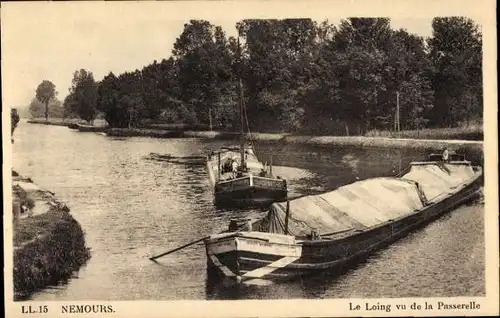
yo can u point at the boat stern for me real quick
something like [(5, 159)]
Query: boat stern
[(249, 255), (250, 190)]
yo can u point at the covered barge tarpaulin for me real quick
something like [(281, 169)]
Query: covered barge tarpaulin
[(439, 178), (365, 203)]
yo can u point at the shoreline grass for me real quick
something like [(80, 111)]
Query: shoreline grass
[(332, 142), (471, 132), (48, 248), (140, 132), (51, 121)]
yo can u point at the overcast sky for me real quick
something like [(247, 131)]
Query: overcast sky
[(51, 41)]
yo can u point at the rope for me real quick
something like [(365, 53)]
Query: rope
[(402, 173)]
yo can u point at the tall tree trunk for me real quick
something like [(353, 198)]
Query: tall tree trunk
[(47, 111), (130, 118)]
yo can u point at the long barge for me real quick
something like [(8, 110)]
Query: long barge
[(322, 232)]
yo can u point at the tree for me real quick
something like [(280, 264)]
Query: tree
[(360, 52), (205, 78), (108, 95), (407, 74), (277, 66), (456, 52), (36, 109), (131, 101), (46, 92), (82, 98), (121, 99)]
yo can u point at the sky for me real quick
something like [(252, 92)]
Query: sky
[(54, 40)]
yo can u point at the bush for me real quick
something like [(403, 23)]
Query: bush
[(48, 248)]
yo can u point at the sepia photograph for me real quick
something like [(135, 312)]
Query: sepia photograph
[(206, 152)]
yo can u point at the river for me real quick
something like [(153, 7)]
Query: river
[(131, 208)]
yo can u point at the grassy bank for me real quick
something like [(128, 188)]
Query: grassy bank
[(48, 247), (472, 132), (354, 141), (175, 127), (51, 121), (233, 135), (319, 141), (429, 145), (137, 132)]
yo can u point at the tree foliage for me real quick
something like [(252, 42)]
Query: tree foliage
[(45, 92), (301, 75), (456, 53), (37, 109), (82, 97), (108, 95)]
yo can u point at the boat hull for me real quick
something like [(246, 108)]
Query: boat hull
[(249, 255), (250, 191), (88, 128), (73, 126)]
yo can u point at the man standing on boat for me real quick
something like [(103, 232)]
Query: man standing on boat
[(234, 166), (446, 154)]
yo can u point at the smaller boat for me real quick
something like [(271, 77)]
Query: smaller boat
[(253, 185), (319, 233), (187, 160), (90, 128), (73, 126)]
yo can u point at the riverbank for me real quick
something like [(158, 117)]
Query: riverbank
[(49, 244), (319, 141), (141, 132), (465, 132), (424, 139), (52, 121), (63, 122)]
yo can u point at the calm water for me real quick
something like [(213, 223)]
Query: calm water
[(132, 208)]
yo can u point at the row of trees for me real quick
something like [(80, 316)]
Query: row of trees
[(299, 75)]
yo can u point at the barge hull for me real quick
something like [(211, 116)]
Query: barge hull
[(250, 260)]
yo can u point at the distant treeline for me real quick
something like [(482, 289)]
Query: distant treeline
[(299, 75), (36, 109)]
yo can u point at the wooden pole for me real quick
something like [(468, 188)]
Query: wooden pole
[(218, 166), (271, 164), (129, 118), (397, 111), (287, 216), (242, 120), (178, 248), (210, 117)]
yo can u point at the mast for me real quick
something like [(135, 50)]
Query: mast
[(242, 120)]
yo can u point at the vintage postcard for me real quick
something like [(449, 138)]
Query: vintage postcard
[(250, 158)]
